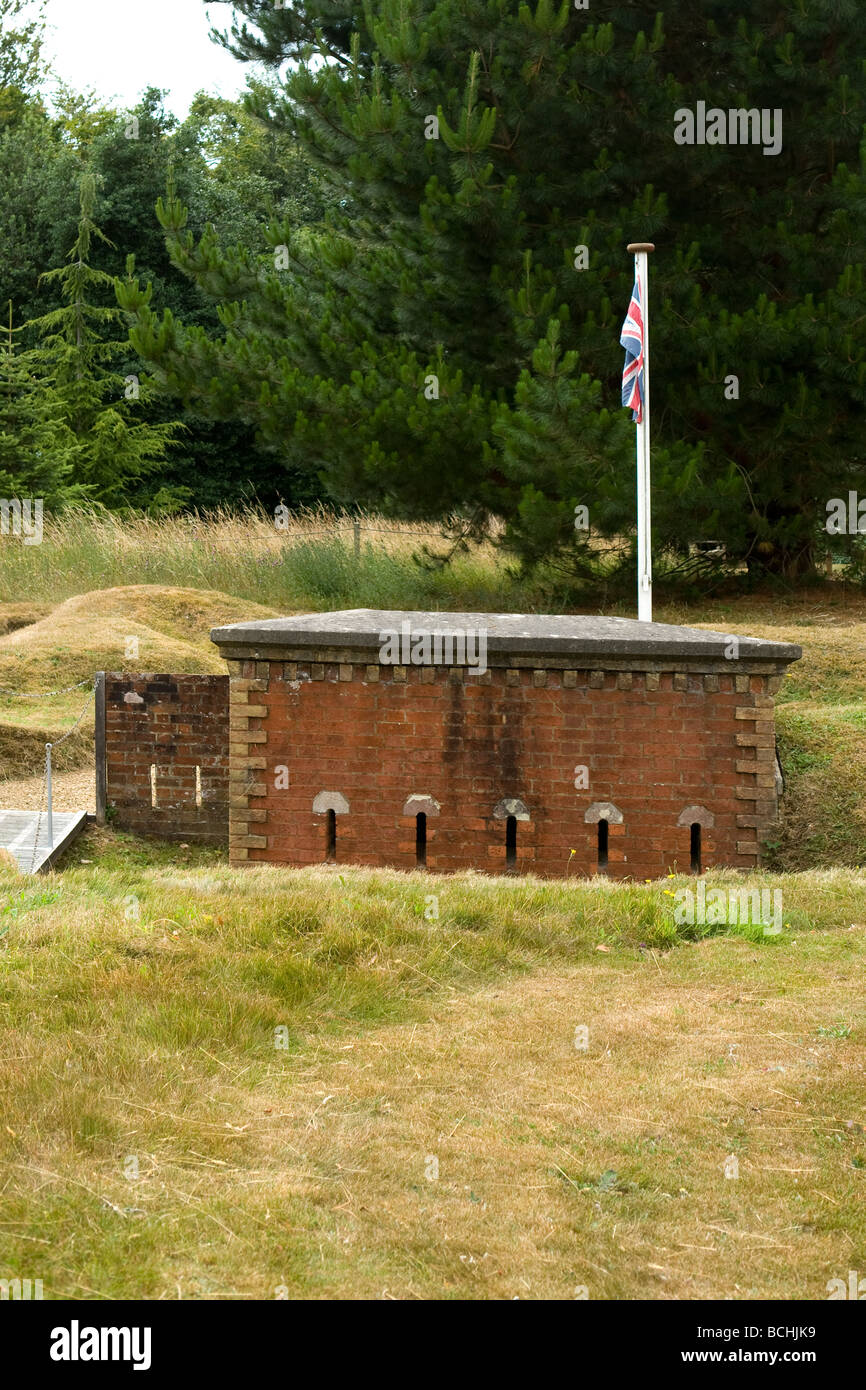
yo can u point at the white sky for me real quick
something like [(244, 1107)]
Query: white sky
[(119, 47)]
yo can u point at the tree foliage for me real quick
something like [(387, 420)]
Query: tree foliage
[(442, 342), (112, 449)]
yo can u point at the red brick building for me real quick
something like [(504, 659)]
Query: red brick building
[(572, 743)]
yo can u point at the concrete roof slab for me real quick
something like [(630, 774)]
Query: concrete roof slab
[(519, 633)]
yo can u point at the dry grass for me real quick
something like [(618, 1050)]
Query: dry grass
[(558, 1168), (91, 633), (309, 1169), (312, 563), (16, 615)]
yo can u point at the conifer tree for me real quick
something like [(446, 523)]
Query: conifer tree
[(451, 338), (36, 445), (116, 456)]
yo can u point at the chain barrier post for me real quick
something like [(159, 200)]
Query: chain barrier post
[(49, 818), (46, 798)]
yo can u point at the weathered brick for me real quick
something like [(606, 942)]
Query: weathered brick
[(756, 740), (179, 723), (241, 686)]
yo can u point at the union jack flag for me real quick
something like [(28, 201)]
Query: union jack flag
[(632, 373)]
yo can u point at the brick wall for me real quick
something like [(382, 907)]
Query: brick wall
[(663, 749), (175, 725)]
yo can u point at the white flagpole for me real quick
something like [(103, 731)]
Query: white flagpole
[(644, 547)]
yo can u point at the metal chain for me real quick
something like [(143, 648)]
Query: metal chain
[(65, 736), (45, 694)]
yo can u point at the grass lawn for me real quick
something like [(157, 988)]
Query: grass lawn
[(221, 1084), (339, 1083)]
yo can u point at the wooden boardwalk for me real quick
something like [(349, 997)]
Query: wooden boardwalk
[(18, 830)]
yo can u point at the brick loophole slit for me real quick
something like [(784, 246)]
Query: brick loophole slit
[(198, 786), (511, 842), (153, 784), (331, 838), (421, 838), (602, 845), (696, 847)]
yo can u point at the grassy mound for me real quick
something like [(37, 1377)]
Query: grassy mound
[(51, 649), (91, 632), (18, 615), (22, 750)]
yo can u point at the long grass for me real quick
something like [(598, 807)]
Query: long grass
[(312, 563)]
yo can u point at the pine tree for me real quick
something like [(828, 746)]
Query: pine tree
[(37, 447), (116, 457), (490, 163), (235, 175)]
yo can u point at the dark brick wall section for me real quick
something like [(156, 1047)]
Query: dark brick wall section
[(175, 724)]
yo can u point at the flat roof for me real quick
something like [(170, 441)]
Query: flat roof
[(526, 633)]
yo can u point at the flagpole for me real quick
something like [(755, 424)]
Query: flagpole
[(644, 538)]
